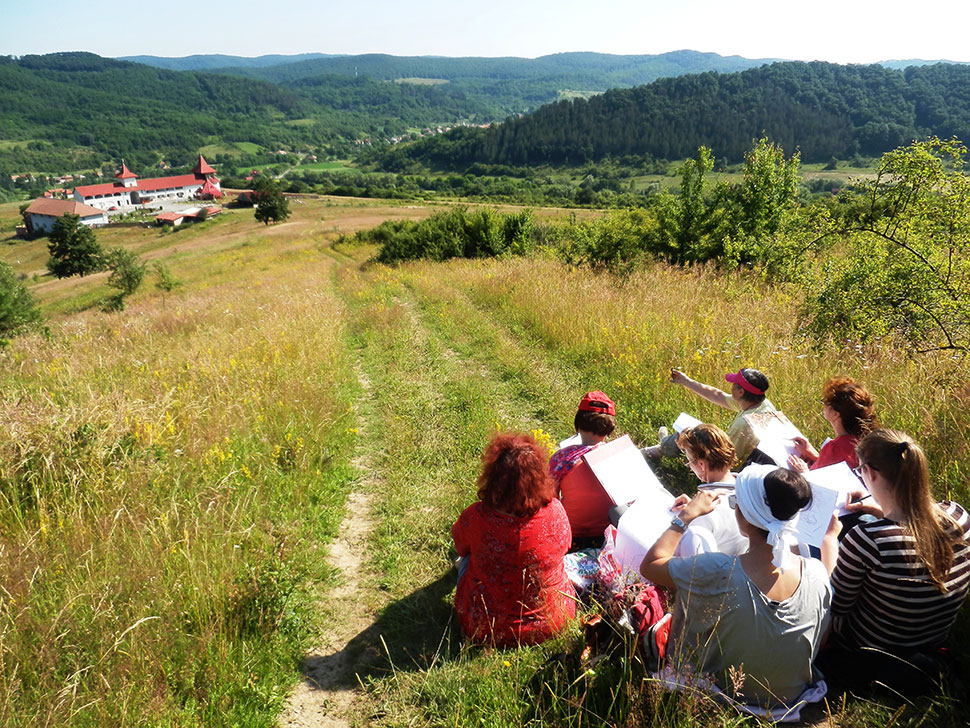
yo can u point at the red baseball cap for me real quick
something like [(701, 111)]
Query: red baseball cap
[(597, 402), (750, 380)]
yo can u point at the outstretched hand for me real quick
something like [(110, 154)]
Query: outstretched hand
[(797, 464), (678, 377)]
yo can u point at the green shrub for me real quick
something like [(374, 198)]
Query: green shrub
[(17, 308)]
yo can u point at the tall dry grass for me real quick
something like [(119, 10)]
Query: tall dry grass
[(167, 477)]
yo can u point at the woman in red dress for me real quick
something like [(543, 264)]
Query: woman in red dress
[(514, 589)]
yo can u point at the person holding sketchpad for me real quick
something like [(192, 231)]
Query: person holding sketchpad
[(901, 579), (584, 499), (747, 396), (747, 628)]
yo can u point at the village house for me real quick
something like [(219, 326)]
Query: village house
[(44, 212), (130, 192)]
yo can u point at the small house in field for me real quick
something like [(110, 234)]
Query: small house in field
[(130, 192), (170, 218), (44, 212)]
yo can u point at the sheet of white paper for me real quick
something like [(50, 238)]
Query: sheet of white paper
[(838, 477), (684, 421), (621, 470), (778, 450), (574, 440), (814, 520), (775, 434), (640, 527)]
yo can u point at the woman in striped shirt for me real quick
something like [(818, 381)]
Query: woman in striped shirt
[(899, 580)]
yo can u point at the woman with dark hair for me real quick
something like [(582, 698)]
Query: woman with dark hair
[(849, 408), (586, 503), (899, 580), (513, 589), (752, 622)]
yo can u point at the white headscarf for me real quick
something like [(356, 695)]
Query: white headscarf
[(750, 492)]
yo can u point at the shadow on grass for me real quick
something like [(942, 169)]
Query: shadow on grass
[(411, 634)]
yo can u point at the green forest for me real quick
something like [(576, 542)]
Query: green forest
[(823, 110)]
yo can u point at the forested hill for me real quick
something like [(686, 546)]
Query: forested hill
[(67, 111), (824, 110), (513, 84), (98, 107), (207, 62)]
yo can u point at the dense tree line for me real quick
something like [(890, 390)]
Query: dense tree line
[(822, 109)]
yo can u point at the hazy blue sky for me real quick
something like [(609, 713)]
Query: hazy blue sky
[(847, 31)]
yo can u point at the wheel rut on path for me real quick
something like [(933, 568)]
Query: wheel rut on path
[(329, 693)]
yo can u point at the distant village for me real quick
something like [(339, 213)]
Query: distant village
[(96, 204)]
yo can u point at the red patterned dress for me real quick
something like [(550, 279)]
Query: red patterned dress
[(515, 590)]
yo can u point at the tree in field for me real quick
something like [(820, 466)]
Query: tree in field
[(683, 220), (127, 273), (270, 203), (904, 253), (17, 308), (759, 207), (74, 249)]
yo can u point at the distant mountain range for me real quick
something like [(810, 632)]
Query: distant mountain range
[(207, 62), (68, 111)]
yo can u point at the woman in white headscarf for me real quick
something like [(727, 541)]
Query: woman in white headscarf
[(752, 622)]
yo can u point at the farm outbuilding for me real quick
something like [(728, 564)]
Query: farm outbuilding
[(44, 212)]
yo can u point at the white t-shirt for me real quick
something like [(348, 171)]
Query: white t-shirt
[(716, 531), (722, 620)]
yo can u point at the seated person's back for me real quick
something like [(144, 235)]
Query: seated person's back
[(582, 496)]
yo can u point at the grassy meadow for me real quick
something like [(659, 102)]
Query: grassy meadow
[(171, 475)]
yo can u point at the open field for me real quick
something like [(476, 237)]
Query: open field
[(343, 165), (171, 476)]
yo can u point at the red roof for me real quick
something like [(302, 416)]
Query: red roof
[(58, 208), (210, 189), (169, 216), (143, 185), (125, 173), (203, 167)]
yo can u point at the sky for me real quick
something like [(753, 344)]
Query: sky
[(845, 31)]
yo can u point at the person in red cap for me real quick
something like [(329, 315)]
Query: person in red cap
[(586, 503), (747, 396)]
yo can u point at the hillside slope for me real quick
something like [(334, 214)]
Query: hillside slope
[(825, 110)]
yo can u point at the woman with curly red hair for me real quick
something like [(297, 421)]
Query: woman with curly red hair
[(849, 408), (513, 589)]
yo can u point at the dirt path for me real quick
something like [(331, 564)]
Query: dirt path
[(328, 693)]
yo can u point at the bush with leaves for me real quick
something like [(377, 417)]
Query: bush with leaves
[(894, 258), (455, 233), (127, 273), (166, 281), (17, 307)]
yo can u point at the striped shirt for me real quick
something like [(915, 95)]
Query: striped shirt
[(884, 597)]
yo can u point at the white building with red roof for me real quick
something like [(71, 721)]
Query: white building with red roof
[(44, 212), (129, 192)]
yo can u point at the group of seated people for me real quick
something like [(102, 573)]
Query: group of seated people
[(753, 614)]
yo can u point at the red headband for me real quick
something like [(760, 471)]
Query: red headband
[(738, 378)]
